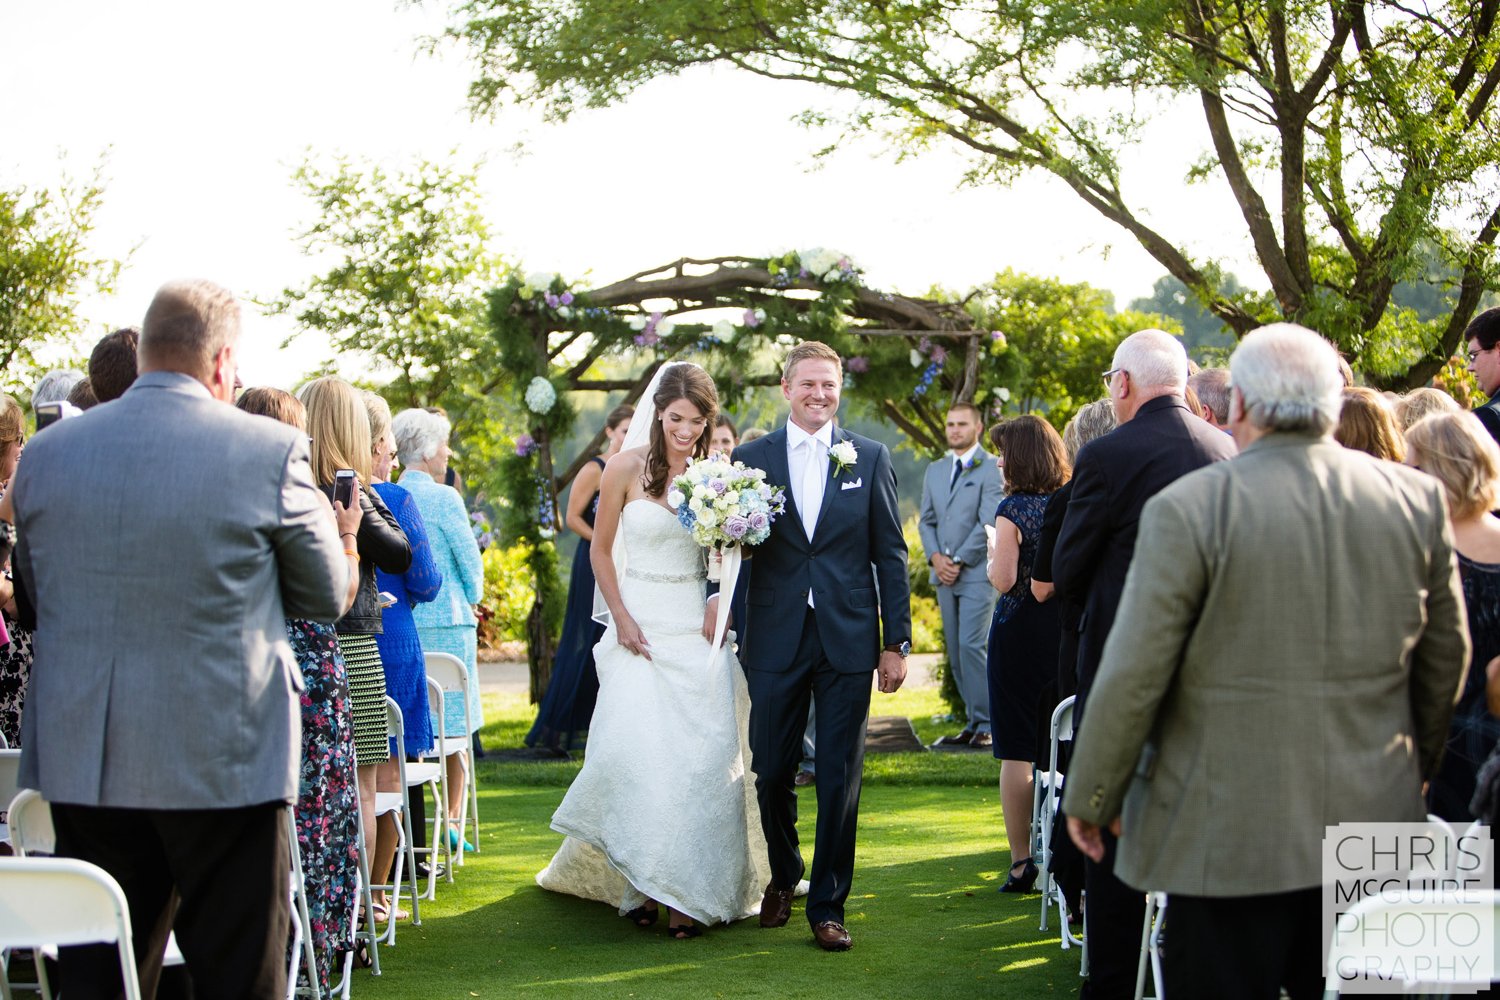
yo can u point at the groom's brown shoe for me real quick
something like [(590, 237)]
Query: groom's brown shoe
[(831, 936), (775, 906)]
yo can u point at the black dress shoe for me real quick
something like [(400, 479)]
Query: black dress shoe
[(1024, 881), (805, 778), (956, 740), (982, 741)]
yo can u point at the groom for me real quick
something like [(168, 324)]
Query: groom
[(827, 603)]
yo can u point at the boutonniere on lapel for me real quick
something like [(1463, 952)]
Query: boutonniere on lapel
[(972, 463), (842, 457)]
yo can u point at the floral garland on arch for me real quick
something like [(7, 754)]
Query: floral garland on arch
[(548, 332)]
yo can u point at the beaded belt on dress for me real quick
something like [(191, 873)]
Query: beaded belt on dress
[(640, 574)]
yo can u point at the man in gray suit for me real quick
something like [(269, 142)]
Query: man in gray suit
[(959, 495), (167, 536), (1286, 656)]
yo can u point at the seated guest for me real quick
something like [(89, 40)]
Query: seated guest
[(1422, 402), (326, 812), (112, 364), (1367, 424), (1300, 590), (1024, 634), (1454, 449), (161, 723), (447, 624), (400, 649)]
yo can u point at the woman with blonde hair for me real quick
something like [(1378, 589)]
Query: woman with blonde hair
[(340, 430), (326, 813), (1455, 449), (1423, 402), (1367, 424)]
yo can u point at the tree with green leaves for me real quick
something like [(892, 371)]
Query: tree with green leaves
[(1348, 132), (1054, 340), (46, 268), (411, 266)]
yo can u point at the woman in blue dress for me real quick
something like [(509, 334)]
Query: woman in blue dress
[(568, 705), (400, 648), (1024, 633), (447, 623)]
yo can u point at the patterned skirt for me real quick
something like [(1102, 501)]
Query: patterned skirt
[(327, 810), (367, 693)]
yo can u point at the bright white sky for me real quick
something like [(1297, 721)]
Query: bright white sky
[(205, 107)]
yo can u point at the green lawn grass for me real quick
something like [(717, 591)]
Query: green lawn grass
[(925, 916)]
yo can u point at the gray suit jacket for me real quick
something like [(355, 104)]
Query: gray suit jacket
[(167, 536), (952, 521), (1286, 656)]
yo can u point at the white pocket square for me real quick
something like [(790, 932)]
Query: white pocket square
[(852, 486)]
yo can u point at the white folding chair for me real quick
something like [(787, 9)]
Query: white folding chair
[(406, 859), (302, 943), (33, 834), (440, 814), (1151, 928), (433, 775), (63, 901), (1047, 790), (452, 676), (10, 783)]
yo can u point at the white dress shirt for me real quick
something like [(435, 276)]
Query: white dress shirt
[(808, 482)]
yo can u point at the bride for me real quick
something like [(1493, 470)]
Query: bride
[(662, 814)]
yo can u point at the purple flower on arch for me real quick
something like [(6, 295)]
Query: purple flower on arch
[(859, 364)]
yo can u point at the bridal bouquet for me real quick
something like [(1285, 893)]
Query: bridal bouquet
[(725, 504)]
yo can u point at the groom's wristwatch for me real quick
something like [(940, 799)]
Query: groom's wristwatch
[(903, 649)]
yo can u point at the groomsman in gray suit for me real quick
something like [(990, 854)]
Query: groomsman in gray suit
[(167, 536), (959, 497)]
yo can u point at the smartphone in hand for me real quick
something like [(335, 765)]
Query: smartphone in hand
[(343, 487)]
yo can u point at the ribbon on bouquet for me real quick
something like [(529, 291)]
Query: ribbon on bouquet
[(729, 575)]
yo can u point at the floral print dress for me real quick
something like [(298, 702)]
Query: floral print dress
[(327, 810)]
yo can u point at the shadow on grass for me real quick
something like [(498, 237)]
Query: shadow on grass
[(924, 914)]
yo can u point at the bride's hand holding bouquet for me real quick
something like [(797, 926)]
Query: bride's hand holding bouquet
[(726, 506)]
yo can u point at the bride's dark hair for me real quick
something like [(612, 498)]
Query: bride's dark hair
[(687, 382)]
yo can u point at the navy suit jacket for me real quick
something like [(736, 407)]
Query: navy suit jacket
[(855, 563), (1113, 478)]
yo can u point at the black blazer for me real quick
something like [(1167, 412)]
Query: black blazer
[(1112, 480), (855, 563), (1489, 415)]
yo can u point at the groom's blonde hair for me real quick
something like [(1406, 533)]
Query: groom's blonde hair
[(810, 350)]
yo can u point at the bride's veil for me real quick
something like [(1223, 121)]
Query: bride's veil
[(637, 436)]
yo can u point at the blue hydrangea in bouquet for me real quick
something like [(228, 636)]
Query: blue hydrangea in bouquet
[(725, 505)]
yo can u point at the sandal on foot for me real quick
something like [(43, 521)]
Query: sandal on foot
[(684, 932), (643, 916)]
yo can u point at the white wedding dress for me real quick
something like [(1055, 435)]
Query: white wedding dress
[(664, 807)]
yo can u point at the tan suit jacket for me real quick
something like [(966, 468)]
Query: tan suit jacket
[(1286, 657)]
